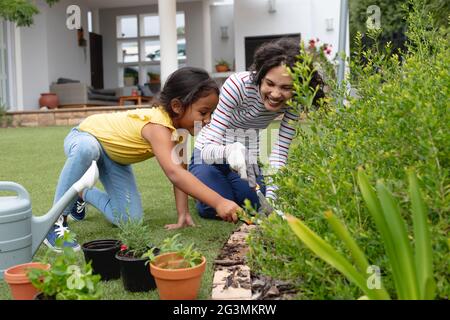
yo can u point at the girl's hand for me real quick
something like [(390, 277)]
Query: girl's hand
[(183, 221), (227, 210)]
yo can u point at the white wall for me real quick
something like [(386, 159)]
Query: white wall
[(50, 50), (193, 30), (222, 48), (307, 17)]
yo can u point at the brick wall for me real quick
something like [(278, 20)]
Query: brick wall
[(57, 117)]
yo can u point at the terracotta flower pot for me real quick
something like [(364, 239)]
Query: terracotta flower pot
[(176, 284), (221, 68), (20, 285), (49, 100)]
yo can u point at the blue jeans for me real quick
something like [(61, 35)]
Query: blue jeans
[(121, 196), (225, 182)]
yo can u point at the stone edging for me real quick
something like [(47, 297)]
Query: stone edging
[(232, 279)]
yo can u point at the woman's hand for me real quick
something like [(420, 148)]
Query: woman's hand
[(227, 210), (184, 220)]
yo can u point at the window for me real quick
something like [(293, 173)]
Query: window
[(139, 50), (127, 27)]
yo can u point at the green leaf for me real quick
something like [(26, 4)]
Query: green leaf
[(423, 250), (326, 252), (402, 247), (341, 231), (376, 212)]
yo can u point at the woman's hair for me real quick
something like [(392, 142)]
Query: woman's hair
[(187, 84), (284, 51)]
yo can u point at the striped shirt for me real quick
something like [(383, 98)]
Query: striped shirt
[(241, 116)]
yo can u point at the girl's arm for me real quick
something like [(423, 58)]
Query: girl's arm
[(184, 216), (160, 138)]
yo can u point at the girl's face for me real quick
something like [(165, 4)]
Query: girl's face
[(276, 88), (198, 113)]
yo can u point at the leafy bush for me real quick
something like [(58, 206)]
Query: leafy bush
[(413, 277), (399, 119)]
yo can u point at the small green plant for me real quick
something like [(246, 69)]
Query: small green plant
[(222, 62), (154, 76), (189, 254), (66, 280), (412, 273), (135, 237)]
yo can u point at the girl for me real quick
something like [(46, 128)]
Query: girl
[(248, 103), (117, 140)]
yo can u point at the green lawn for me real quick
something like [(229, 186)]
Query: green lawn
[(33, 157)]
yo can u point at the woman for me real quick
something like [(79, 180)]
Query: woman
[(226, 150)]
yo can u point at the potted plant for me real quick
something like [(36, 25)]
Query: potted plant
[(65, 279), (177, 270), (154, 77), (135, 238), (18, 281), (222, 65), (128, 79), (102, 255)]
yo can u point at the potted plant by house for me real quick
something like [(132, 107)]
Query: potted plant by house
[(65, 279), (102, 255), (128, 79), (177, 270), (154, 78), (222, 65), (19, 283), (135, 238)]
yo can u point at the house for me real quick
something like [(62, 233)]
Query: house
[(140, 38)]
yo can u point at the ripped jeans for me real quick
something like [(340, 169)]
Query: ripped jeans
[(121, 196)]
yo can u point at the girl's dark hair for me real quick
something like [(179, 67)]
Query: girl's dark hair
[(187, 84), (283, 51)]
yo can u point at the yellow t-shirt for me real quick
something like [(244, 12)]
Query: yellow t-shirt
[(120, 133)]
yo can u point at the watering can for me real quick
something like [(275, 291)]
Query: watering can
[(21, 233)]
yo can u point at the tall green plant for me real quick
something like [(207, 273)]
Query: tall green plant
[(413, 277)]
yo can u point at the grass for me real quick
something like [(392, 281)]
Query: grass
[(34, 157)]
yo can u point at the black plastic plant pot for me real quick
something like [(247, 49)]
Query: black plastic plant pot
[(135, 273), (102, 254)]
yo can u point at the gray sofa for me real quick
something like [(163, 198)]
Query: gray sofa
[(80, 94)]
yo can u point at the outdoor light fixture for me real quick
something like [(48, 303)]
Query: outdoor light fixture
[(272, 6), (329, 24)]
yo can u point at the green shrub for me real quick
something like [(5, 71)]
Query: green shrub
[(400, 119)]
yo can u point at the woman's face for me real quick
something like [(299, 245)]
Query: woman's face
[(276, 88), (199, 113)]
